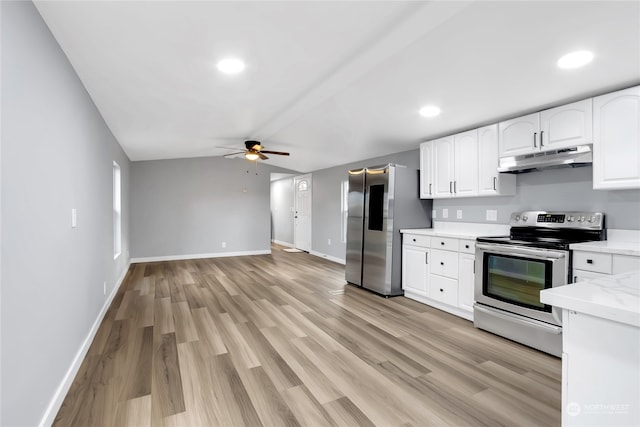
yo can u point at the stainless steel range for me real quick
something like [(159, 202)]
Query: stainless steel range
[(514, 269)]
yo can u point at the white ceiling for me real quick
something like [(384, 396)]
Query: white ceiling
[(333, 81)]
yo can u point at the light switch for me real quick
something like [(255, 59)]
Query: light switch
[(492, 215), (74, 218), (459, 214)]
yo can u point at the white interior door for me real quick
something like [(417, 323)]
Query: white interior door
[(302, 214)]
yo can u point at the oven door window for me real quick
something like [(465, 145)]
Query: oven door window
[(517, 280)]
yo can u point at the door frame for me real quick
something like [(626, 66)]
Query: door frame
[(296, 179)]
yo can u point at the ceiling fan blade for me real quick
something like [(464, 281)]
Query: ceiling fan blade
[(262, 156), (233, 154), (279, 153)]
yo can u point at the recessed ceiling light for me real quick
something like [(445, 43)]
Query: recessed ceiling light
[(429, 111), (230, 65), (575, 59)]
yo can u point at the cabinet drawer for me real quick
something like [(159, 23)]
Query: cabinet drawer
[(416, 240), (592, 261), (444, 243), (625, 263), (444, 290), (444, 263), (581, 275), (467, 246)]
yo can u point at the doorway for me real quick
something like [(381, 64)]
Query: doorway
[(302, 213)]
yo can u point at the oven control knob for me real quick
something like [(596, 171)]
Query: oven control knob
[(592, 218), (580, 218), (517, 217), (524, 217), (570, 219)]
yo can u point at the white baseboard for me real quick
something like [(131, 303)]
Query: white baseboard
[(65, 385), (329, 257), (281, 243), (198, 256)]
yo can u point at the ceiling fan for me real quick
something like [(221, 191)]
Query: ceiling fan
[(254, 151)]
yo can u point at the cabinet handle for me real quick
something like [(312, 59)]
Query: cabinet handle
[(441, 290), (541, 138), (495, 178), (414, 240), (466, 246), (441, 263), (454, 186), (474, 266), (426, 257), (450, 182), (442, 243), (575, 279), (589, 261), (430, 189), (534, 139)]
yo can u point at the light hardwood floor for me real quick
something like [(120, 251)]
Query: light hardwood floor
[(280, 340)]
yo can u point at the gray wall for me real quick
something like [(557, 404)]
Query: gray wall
[(553, 189), (190, 206), (562, 189), (57, 154), (281, 210)]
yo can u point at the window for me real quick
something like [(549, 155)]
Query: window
[(117, 212), (344, 206), (303, 185)]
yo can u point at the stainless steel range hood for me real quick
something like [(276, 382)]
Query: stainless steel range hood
[(581, 155)]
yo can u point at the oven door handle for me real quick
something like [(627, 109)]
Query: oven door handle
[(520, 250)]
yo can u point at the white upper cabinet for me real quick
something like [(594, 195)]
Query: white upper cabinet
[(566, 126), (465, 180), (561, 127), (426, 170), (520, 135), (616, 145), (490, 182), (443, 172)]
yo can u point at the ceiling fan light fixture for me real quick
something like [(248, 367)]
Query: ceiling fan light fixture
[(251, 156), (575, 59), (230, 66)]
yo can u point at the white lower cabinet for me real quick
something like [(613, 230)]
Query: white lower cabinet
[(439, 271), (589, 265), (600, 383)]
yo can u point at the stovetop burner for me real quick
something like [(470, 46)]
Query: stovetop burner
[(551, 230)]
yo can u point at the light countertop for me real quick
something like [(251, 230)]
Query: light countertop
[(609, 246), (460, 230), (614, 298)]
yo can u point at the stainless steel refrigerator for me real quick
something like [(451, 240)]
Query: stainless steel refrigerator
[(382, 200)]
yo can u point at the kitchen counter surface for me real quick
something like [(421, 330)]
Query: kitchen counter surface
[(460, 230), (614, 298), (610, 247)]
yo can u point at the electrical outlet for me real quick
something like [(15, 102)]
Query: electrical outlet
[(224, 244), (459, 214), (445, 213), (329, 242), (104, 288), (433, 214), (74, 218), (492, 215)]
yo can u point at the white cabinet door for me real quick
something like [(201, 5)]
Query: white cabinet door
[(443, 159), (415, 270), (426, 170), (465, 149), (616, 140), (490, 182), (466, 280), (566, 126), (520, 135)]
